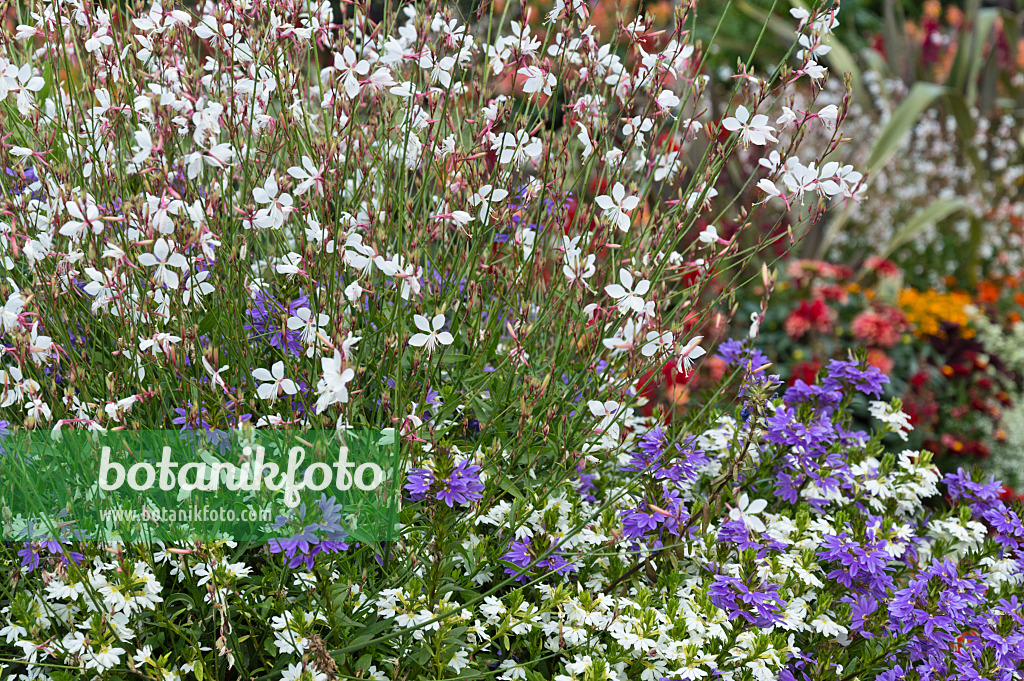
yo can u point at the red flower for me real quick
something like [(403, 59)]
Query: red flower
[(808, 316), (884, 268), (878, 358), (879, 327), (805, 371)]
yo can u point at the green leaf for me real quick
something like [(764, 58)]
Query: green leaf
[(207, 323), (963, 75), (921, 96), (503, 482), (454, 359), (936, 211)]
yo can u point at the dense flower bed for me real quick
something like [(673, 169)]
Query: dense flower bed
[(480, 242), (955, 357)]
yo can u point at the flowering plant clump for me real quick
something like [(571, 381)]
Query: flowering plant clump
[(951, 355), (477, 241)]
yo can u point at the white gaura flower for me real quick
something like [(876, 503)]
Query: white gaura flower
[(829, 117), (308, 175), (708, 194), (537, 80), (517, 148), (627, 298), (626, 339), (800, 179), (688, 353), (10, 312), (38, 409), (215, 374), (274, 383), (607, 411), (747, 511), (432, 335), (576, 266), (82, 221), (617, 206), (752, 130), (440, 69), (333, 385), (310, 325), (143, 148), (484, 197), (787, 119), (275, 215), (196, 287), (40, 347), (657, 343), (163, 257), (708, 236), (584, 138)]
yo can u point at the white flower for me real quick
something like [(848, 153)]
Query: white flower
[(708, 236), (332, 387), (432, 334), (617, 206), (10, 312), (294, 672), (537, 80), (747, 511), (484, 197), (668, 100), (814, 70), (276, 214), (274, 382), (752, 130), (215, 375), (196, 287), (102, 659), (787, 119), (584, 137), (310, 324), (823, 624), (82, 221), (574, 265), (143, 148), (801, 15), (657, 342), (894, 419), (688, 353), (829, 116), (309, 175), (164, 257), (440, 69), (627, 298), (38, 409), (516, 148)]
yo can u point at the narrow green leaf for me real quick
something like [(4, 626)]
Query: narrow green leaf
[(936, 211), (921, 96)]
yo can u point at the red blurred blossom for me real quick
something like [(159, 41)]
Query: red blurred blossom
[(805, 371), (878, 358), (833, 292), (1009, 494), (812, 315), (882, 328), (715, 368), (881, 266)]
